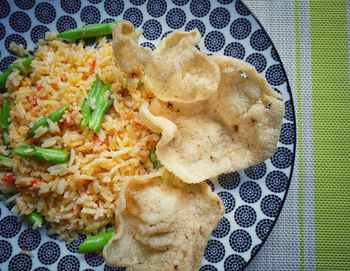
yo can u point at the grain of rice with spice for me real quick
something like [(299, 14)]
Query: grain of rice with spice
[(79, 196)]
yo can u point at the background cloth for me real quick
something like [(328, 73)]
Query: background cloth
[(312, 39)]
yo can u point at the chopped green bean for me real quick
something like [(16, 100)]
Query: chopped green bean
[(103, 103), (4, 158), (25, 62), (35, 218), (154, 159), (87, 31), (86, 110), (53, 156), (54, 117), (96, 242), (5, 121)]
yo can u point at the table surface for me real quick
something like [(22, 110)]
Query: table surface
[(313, 40)]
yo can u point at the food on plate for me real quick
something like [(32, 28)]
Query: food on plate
[(235, 126), (116, 141), (163, 224), (175, 71)]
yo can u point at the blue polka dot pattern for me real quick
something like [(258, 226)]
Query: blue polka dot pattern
[(45, 13), (240, 240), (93, 259), (148, 45), (180, 2), (214, 41), (38, 32), (259, 40), (2, 31), (254, 250), (229, 181), (90, 15), (282, 158), (196, 24), (175, 18), (222, 229), (9, 226), (270, 205), (245, 216), (137, 2), (74, 245), (288, 114), (228, 200), (208, 267), (152, 29), (275, 75), (114, 7), (234, 263), (41, 269), (5, 9), (274, 54), (108, 20), (156, 8), (65, 22), (5, 250), (6, 62), (29, 239), (214, 251), (20, 262), (263, 228), (250, 192), (240, 28), (15, 38), (241, 8), (219, 17), (200, 8), (71, 6), (235, 49), (111, 268), (133, 15), (258, 61), (49, 253), (287, 133), (20, 21), (256, 172), (68, 263), (95, 1), (276, 181), (225, 2)]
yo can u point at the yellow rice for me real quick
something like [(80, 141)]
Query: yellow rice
[(79, 196)]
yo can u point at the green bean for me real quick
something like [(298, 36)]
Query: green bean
[(102, 105), (96, 242), (86, 110), (53, 156), (154, 159), (87, 31), (25, 62), (35, 217), (4, 159), (5, 121), (54, 117)]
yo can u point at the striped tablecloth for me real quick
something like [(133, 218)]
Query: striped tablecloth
[(313, 40)]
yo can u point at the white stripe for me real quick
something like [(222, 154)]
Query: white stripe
[(307, 136), (281, 250)]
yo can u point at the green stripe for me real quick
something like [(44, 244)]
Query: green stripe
[(299, 138), (331, 104)]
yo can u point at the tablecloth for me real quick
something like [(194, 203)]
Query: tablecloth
[(312, 38)]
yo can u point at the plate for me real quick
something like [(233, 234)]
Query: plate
[(253, 198)]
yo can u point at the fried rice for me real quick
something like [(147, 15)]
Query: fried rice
[(81, 195)]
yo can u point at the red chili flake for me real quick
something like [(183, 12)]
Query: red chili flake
[(23, 247), (35, 182), (92, 67), (8, 179), (39, 88)]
